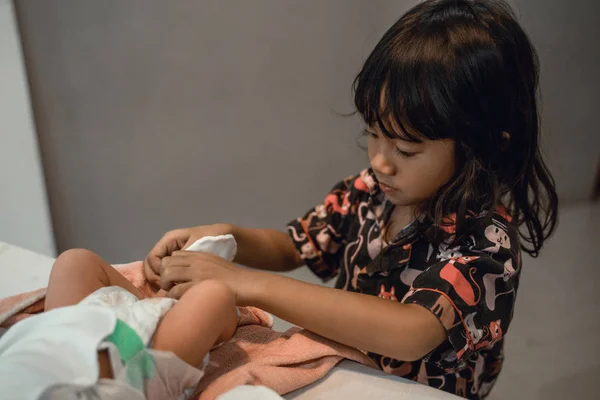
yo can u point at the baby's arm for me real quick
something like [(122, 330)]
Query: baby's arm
[(205, 315)]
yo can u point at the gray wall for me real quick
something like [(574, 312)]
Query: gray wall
[(566, 34), (24, 211), (154, 115)]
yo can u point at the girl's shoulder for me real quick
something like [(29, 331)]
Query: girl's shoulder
[(494, 235)]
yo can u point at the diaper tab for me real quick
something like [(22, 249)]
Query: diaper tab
[(138, 362)]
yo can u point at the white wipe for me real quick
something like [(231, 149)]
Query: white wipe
[(223, 246)]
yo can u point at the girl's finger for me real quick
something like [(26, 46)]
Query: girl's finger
[(174, 274), (178, 290), (151, 276), (193, 254), (170, 242), (182, 253), (174, 261)]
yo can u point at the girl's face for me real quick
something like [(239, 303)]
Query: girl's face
[(410, 173)]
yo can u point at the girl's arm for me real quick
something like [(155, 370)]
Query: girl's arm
[(265, 249), (402, 331)]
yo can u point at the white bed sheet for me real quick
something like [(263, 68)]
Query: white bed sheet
[(23, 270)]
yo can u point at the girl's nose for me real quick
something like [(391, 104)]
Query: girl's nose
[(382, 165)]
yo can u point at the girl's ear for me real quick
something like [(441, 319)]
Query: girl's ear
[(505, 140)]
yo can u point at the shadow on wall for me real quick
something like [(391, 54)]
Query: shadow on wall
[(583, 385), (164, 115)]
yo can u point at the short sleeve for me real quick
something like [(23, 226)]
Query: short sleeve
[(320, 235), (473, 297)]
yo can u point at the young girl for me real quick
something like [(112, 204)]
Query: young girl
[(426, 244)]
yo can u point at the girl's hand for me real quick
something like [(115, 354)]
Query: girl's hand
[(175, 240), (182, 270)]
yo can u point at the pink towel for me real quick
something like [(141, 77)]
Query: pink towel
[(283, 362), (256, 355)]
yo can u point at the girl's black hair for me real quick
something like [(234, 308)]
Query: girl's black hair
[(465, 70)]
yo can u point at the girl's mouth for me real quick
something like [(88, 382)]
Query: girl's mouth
[(386, 189)]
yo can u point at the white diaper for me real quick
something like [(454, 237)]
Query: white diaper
[(142, 316)]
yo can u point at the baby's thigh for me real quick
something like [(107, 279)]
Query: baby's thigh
[(77, 264), (77, 273), (80, 265)]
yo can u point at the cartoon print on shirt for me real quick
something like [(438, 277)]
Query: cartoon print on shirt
[(375, 245), (478, 370), (326, 242), (429, 252), (332, 202), (408, 275), (391, 295), (476, 334), (357, 271), (485, 388), (459, 281), (492, 335), (297, 237), (489, 281), (437, 385), (403, 369), (461, 386), (449, 355), (468, 345), (308, 252), (445, 312), (447, 253), (496, 233), (321, 211), (357, 244)]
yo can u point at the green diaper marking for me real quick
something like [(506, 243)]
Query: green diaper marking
[(138, 362)]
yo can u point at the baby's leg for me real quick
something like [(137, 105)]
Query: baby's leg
[(78, 273), (205, 315)]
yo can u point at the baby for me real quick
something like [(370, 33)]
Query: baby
[(100, 338)]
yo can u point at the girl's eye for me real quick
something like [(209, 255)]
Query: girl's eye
[(404, 154), (370, 134)]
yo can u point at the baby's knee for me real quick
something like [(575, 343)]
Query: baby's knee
[(211, 289), (75, 260)]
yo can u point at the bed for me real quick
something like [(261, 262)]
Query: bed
[(23, 270)]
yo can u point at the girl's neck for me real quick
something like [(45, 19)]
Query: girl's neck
[(399, 218)]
